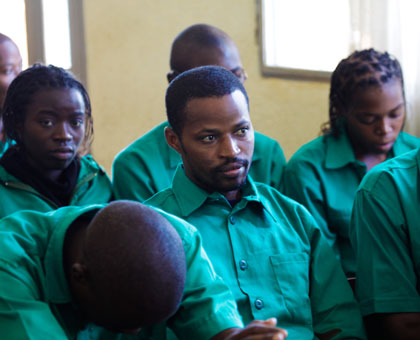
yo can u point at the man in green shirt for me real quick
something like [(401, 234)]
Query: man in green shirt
[(122, 266), (385, 235), (266, 247), (148, 165), (10, 66)]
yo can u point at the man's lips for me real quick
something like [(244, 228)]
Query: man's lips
[(233, 169)]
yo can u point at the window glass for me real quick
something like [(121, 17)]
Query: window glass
[(13, 24), (57, 33), (305, 34)]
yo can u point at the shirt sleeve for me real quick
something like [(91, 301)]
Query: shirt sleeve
[(334, 307), (208, 306), (131, 178), (386, 279), (22, 315), (277, 166), (302, 183)]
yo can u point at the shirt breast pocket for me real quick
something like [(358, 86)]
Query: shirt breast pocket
[(291, 271)]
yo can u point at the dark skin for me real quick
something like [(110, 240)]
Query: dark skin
[(256, 330), (376, 120), (10, 66), (77, 273), (190, 55), (53, 129), (393, 326)]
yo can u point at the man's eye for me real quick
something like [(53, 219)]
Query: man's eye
[(6, 70), (208, 138), (242, 131)]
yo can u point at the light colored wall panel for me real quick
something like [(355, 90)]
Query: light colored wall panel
[(127, 47)]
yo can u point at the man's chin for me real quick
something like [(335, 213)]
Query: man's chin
[(228, 187)]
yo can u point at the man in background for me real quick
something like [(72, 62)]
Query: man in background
[(10, 67), (148, 165)]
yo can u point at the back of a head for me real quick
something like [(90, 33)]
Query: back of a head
[(360, 70), (27, 84), (137, 265), (201, 82), (200, 45)]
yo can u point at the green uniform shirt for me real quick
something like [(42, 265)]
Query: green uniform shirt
[(324, 175), (147, 166), (35, 301), (386, 237), (272, 256), (4, 146), (93, 186)]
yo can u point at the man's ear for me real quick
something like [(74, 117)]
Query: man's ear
[(173, 140), (79, 273), (171, 75)]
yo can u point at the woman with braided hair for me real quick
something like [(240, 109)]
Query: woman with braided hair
[(367, 110), (47, 115)]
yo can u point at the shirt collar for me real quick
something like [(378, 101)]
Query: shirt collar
[(400, 147), (191, 197), (339, 151), (56, 286)]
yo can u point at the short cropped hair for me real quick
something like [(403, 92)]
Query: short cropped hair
[(200, 82), (194, 38), (22, 89)]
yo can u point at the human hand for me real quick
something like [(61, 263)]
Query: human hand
[(256, 330)]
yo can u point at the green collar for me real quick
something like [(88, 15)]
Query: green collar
[(340, 152), (56, 286), (191, 197)]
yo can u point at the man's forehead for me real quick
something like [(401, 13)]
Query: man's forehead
[(231, 108), (9, 53), (224, 55)]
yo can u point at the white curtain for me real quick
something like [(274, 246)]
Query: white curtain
[(393, 26)]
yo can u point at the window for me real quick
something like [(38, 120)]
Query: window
[(47, 31), (307, 39), (13, 24), (304, 37)]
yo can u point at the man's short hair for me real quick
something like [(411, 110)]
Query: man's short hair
[(200, 82)]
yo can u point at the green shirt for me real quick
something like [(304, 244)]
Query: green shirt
[(272, 256), (93, 186), (386, 237), (35, 301), (324, 175), (5, 145), (147, 166)]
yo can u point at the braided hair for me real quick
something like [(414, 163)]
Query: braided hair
[(360, 70), (22, 89)]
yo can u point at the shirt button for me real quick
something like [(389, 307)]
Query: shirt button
[(232, 219), (259, 304), (243, 264)]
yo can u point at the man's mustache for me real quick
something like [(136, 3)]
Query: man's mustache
[(232, 163)]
